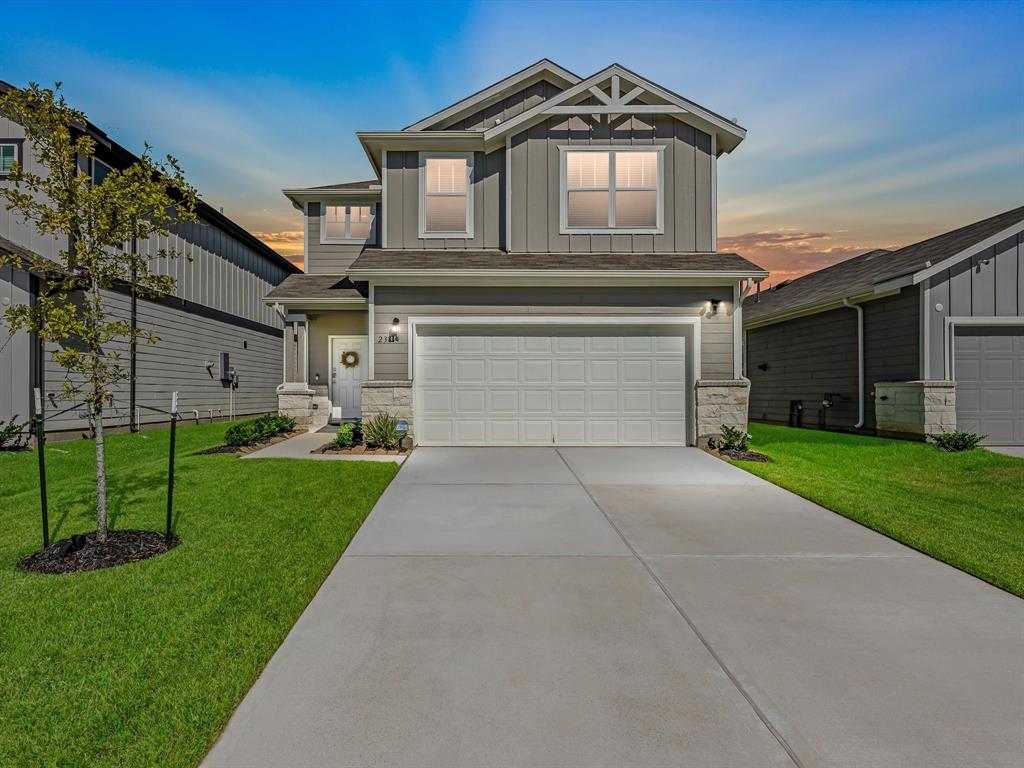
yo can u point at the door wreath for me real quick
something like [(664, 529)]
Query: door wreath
[(350, 359)]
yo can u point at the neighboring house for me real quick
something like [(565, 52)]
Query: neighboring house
[(216, 309), (533, 265), (916, 341)]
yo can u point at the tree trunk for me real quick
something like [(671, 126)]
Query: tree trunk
[(101, 476)]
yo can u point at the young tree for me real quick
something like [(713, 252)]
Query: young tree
[(99, 223)]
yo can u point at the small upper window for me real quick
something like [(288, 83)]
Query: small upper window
[(100, 171), (346, 223), (10, 153), (612, 190), (446, 202)]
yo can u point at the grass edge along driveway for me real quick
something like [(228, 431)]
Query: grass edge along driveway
[(143, 664), (964, 509)]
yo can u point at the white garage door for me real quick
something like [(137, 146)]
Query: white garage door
[(989, 374), (544, 387)]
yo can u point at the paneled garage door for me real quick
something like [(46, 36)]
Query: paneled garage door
[(544, 387), (989, 376)]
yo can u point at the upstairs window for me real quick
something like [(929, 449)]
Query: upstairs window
[(10, 153), (99, 171), (612, 190), (446, 202), (346, 223)]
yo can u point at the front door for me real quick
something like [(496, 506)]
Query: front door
[(348, 372)]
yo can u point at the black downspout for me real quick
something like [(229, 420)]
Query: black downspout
[(132, 349)]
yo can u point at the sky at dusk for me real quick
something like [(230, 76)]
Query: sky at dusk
[(869, 124)]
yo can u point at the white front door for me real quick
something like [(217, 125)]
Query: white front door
[(549, 386), (348, 372)]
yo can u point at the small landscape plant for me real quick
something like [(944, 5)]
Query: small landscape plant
[(957, 441), (12, 434), (734, 439), (252, 431), (381, 431), (347, 435)]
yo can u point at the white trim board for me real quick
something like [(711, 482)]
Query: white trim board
[(421, 172)]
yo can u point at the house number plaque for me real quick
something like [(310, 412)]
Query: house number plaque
[(390, 338)]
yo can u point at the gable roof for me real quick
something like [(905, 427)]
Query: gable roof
[(545, 69), (729, 134), (880, 271)]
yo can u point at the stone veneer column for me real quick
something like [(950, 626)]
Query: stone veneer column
[(921, 408), (295, 399), (718, 402), (394, 397)]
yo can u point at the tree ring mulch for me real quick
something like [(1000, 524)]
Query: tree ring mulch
[(81, 552), (745, 456)]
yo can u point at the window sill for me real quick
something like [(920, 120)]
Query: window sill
[(567, 231), (343, 241), (446, 235)]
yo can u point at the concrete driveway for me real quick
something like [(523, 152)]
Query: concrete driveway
[(647, 607)]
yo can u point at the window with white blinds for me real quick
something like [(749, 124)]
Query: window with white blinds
[(612, 190), (446, 202), (346, 223)]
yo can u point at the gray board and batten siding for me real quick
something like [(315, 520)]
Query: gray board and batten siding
[(809, 357), (989, 284), (391, 359), (332, 258)]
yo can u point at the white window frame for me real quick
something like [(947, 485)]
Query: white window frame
[(612, 149), (17, 144), (348, 240), (468, 232)]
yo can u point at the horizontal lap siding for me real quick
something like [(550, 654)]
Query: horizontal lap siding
[(536, 183), (816, 355), (990, 284), (177, 363), (391, 359)]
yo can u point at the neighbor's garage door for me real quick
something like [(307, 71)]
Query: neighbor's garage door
[(545, 387), (989, 376)]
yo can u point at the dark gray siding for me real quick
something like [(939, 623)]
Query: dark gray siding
[(187, 341), (330, 258), (812, 356), (15, 350), (391, 360), (989, 284), (536, 187), (403, 199), (506, 108)]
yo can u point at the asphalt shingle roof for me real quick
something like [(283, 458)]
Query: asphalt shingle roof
[(316, 287), (861, 273)]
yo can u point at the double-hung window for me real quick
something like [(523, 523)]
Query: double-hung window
[(346, 223), (614, 190), (10, 153), (446, 200)]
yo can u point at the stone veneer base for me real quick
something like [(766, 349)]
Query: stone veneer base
[(394, 397), (920, 408), (720, 402)]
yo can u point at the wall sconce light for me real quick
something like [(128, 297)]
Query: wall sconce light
[(395, 325), (763, 367), (714, 306)]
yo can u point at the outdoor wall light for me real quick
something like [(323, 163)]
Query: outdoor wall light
[(714, 306), (395, 324), (763, 367)]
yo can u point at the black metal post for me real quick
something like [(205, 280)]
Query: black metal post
[(40, 445), (170, 466)]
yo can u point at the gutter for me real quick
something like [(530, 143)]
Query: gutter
[(860, 360)]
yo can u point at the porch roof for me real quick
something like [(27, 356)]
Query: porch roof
[(302, 287)]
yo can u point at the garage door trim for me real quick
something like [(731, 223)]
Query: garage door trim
[(950, 333), (689, 324)]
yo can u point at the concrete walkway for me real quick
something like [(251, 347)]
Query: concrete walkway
[(302, 447), (1008, 450), (631, 607)]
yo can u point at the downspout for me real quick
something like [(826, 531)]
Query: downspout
[(860, 361)]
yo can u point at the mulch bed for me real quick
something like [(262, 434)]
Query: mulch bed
[(241, 450), (745, 456), (82, 553), (357, 450)]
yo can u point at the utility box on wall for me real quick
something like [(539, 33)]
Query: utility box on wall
[(225, 366)]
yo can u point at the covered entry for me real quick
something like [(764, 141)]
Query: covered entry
[(538, 384)]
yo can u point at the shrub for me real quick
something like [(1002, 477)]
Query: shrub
[(347, 435), (12, 434), (734, 439), (381, 431), (252, 431), (957, 441)]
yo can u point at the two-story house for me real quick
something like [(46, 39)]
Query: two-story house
[(533, 265), (219, 345)]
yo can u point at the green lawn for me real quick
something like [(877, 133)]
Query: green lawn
[(966, 509), (143, 664)]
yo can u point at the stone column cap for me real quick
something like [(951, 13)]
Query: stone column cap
[(295, 388), (388, 383)]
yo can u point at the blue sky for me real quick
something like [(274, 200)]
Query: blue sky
[(870, 124)]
